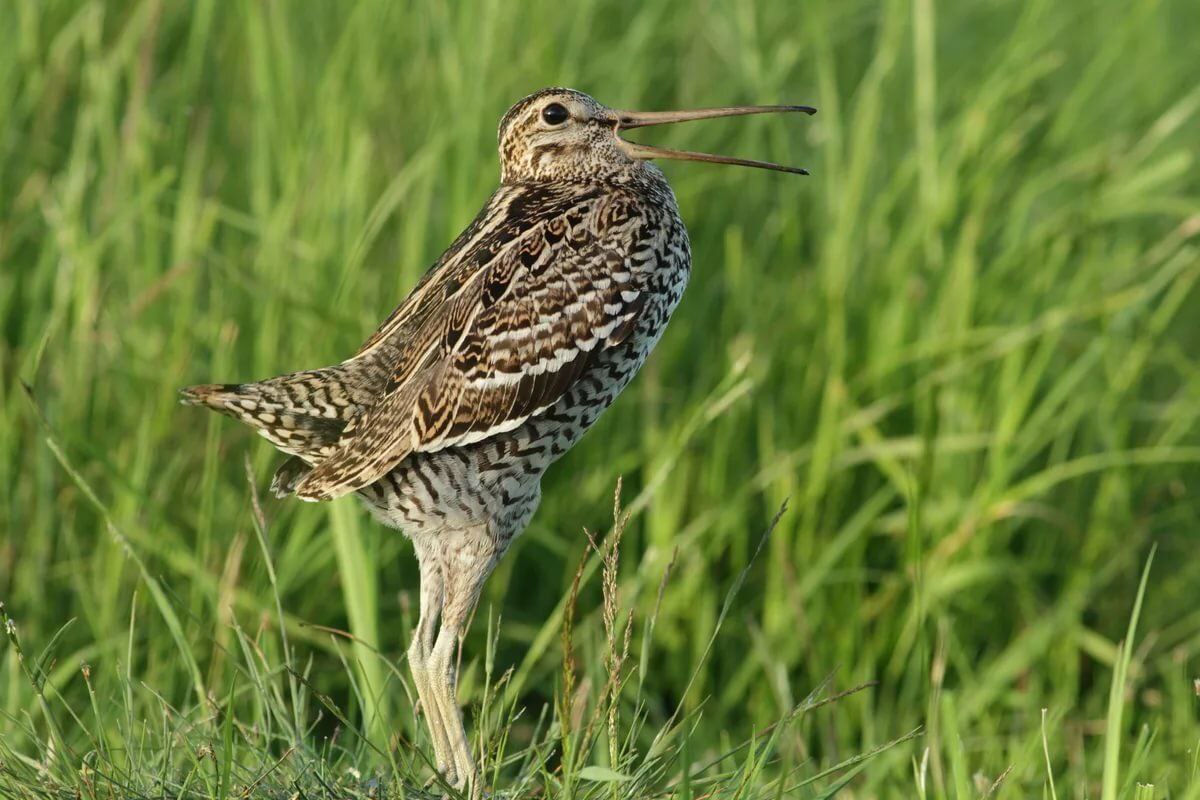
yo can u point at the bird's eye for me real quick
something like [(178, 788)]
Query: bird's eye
[(555, 114)]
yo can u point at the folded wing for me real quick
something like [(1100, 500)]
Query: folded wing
[(529, 303)]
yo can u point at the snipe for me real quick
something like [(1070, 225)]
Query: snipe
[(503, 355)]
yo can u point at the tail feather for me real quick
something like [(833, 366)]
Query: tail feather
[(212, 395), (302, 414), (289, 475), (307, 435)]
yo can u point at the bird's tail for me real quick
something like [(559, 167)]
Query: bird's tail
[(216, 396), (302, 414)]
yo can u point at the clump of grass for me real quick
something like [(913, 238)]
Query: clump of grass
[(298, 741)]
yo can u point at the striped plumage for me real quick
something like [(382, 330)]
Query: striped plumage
[(503, 355)]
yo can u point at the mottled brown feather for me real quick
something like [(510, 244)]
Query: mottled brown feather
[(500, 329)]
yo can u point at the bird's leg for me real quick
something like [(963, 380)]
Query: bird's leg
[(420, 650), (467, 560)]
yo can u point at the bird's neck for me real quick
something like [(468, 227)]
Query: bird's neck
[(639, 176)]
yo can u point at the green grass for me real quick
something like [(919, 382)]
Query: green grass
[(964, 351)]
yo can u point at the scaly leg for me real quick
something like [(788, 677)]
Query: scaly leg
[(420, 650), (467, 559)]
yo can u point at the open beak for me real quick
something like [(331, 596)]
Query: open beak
[(643, 119)]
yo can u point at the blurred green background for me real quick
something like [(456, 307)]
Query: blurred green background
[(964, 350)]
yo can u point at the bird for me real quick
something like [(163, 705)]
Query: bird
[(501, 357)]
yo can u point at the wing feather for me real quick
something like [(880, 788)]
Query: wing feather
[(521, 312)]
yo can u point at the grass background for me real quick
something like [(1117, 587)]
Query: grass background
[(965, 349)]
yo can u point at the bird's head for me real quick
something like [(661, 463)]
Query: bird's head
[(565, 135)]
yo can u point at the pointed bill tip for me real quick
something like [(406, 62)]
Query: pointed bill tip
[(640, 119), (646, 152)]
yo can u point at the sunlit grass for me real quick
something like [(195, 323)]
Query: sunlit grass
[(963, 352)]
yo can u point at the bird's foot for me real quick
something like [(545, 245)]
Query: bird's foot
[(445, 776), (463, 788)]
